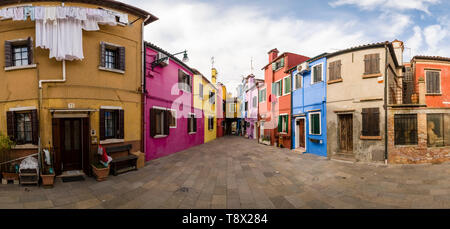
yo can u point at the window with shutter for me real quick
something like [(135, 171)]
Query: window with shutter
[(298, 81), (111, 124), (335, 70), (8, 54), (23, 127), (112, 56), (405, 129), (372, 63), (184, 81), (200, 93), (433, 82), (370, 122), (172, 118), (159, 122), (19, 53), (314, 124), (287, 85), (317, 74)]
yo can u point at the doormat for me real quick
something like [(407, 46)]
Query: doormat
[(72, 179)]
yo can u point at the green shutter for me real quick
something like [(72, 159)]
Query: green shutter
[(279, 124), (287, 123), (274, 66)]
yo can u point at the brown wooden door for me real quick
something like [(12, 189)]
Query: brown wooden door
[(71, 144), (301, 135), (346, 133)]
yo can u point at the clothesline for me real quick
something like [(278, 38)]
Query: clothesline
[(59, 28)]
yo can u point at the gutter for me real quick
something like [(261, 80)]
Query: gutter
[(385, 107), (143, 85)]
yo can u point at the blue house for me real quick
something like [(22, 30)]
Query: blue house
[(309, 106)]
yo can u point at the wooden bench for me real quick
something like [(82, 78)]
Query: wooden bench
[(121, 163)]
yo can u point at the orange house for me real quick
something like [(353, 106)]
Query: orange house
[(277, 117), (435, 71)]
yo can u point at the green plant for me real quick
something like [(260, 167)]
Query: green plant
[(6, 144), (99, 165)]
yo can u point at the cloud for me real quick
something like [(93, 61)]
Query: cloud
[(420, 5)]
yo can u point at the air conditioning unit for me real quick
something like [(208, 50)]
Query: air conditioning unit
[(304, 67), (164, 62)]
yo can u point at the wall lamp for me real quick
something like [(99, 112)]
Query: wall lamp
[(158, 61)]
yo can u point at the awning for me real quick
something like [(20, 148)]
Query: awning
[(71, 113)]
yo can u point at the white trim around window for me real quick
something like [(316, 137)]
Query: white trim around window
[(14, 109), (281, 86), (284, 85), (320, 123), (294, 81), (312, 74), (110, 108)]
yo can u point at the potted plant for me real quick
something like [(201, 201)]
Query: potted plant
[(101, 171), (9, 171), (47, 172)]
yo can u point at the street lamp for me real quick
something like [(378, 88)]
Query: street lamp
[(158, 61)]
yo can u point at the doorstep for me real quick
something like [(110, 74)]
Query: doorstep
[(73, 173), (343, 157)]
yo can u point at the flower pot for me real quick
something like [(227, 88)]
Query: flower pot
[(100, 173), (48, 180)]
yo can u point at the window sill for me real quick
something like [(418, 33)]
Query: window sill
[(192, 133), (370, 137), (7, 69), (160, 136), (335, 81), (317, 82), (111, 70), (111, 141), (433, 94), (26, 146), (172, 127), (368, 76)]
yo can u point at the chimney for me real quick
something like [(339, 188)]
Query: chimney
[(398, 49), (273, 54)]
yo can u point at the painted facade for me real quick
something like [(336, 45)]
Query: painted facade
[(356, 119), (277, 121), (240, 123), (251, 100), (221, 109), (166, 91), (209, 110), (309, 123), (78, 103)]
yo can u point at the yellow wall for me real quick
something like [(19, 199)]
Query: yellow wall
[(86, 85), (198, 102), (209, 110)]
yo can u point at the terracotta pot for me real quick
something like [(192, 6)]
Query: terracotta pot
[(100, 173), (10, 176), (48, 180)]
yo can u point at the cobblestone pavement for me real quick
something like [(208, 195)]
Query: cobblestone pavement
[(233, 172)]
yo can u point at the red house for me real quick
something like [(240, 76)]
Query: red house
[(276, 121)]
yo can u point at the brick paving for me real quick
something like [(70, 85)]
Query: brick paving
[(233, 173)]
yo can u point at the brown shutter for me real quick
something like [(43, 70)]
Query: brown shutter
[(10, 124), (331, 70), (365, 122), (102, 54), (166, 122), (337, 67), (102, 124), (376, 63), (122, 58), (152, 123), (195, 123), (121, 124), (180, 79), (375, 122), (30, 50), (35, 126), (189, 124), (366, 64), (8, 54)]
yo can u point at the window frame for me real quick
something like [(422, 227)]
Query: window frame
[(442, 128), (313, 70), (280, 87), (330, 71), (254, 102), (115, 51), (115, 123), (200, 90), (294, 85), (15, 46), (182, 84), (378, 71), (310, 123), (157, 135), (284, 85), (416, 130), (265, 95), (175, 118), (426, 82), (282, 116), (368, 124), (191, 117), (24, 141)]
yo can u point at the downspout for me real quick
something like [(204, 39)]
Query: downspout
[(385, 108), (143, 85)]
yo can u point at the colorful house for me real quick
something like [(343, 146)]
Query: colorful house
[(262, 109), (418, 112), (221, 108), (277, 123), (358, 82), (251, 105), (309, 87), (209, 108), (240, 123), (172, 123), (73, 100)]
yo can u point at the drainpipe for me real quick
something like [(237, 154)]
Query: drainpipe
[(385, 107), (143, 85)]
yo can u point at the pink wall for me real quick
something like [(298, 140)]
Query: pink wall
[(162, 91)]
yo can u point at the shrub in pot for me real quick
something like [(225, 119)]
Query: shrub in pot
[(100, 171), (8, 170)]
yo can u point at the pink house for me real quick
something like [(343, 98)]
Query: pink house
[(171, 123)]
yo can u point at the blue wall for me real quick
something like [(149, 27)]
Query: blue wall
[(306, 100)]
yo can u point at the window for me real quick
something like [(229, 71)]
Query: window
[(433, 82), (211, 123), (438, 130), (335, 70), (184, 81), (370, 122), (112, 56), (314, 124), (276, 88), (254, 102), (278, 65), (317, 73), (212, 97), (298, 80), (262, 96), (246, 106), (23, 126), (19, 53), (405, 129), (111, 124), (192, 124), (200, 90), (372, 64), (172, 118), (287, 85), (283, 123), (159, 122)]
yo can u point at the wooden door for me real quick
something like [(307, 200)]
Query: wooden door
[(301, 130), (346, 133), (71, 144)]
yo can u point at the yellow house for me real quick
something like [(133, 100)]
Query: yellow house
[(209, 109), (86, 98)]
